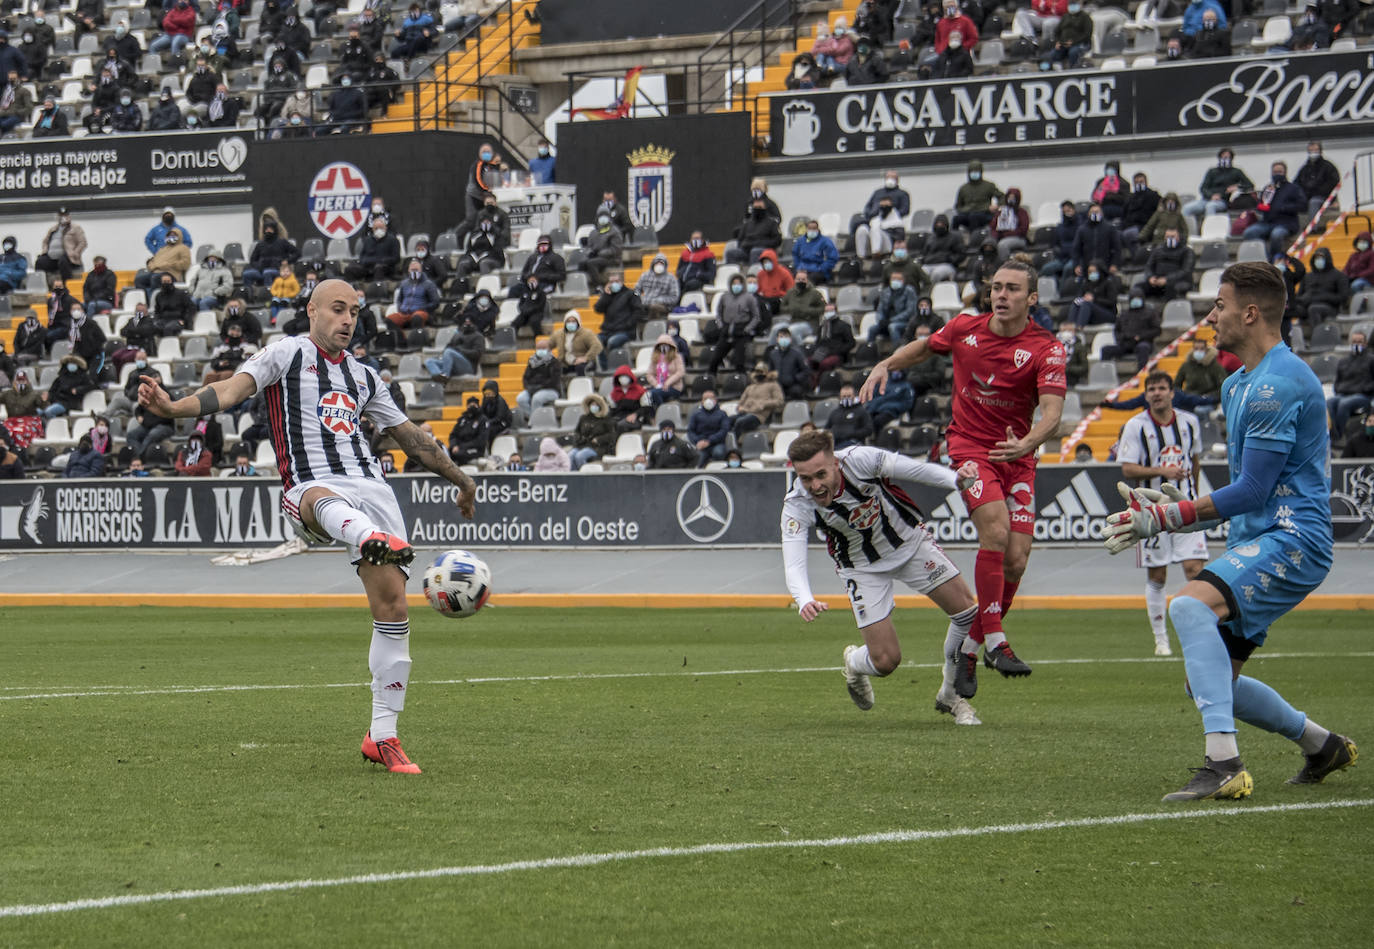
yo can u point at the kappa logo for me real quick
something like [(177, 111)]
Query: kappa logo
[(339, 199), (1249, 592), (864, 516), (1280, 569), (994, 608), (1020, 357), (1263, 581), (1296, 557), (1284, 491), (705, 508), (338, 413), (970, 340)]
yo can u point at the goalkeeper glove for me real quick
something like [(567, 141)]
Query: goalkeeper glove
[(1148, 513)]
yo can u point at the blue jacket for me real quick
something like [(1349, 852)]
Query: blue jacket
[(896, 399), (157, 236), (1192, 16), (412, 295), (712, 426), (1065, 232), (816, 257), (85, 464), (896, 306), (542, 169), (1288, 202), (11, 58), (412, 26), (13, 268)]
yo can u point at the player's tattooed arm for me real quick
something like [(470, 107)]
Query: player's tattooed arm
[(412, 440), (204, 401)]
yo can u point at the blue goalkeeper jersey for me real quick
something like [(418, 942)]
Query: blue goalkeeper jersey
[(1279, 406)]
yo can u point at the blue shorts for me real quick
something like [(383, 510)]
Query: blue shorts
[(1262, 581)]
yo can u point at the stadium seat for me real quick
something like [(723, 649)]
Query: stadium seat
[(1073, 408), (753, 444), (93, 403), (338, 249), (1215, 227), (503, 339), (1102, 375), (1178, 314), (81, 425), (922, 439), (795, 413), (233, 253), (410, 367), (700, 383), (829, 223), (850, 299), (169, 347), (431, 395), (1277, 31), (991, 53), (627, 446), (1207, 286), (570, 417), (1251, 251), (442, 335), (1324, 337), (1324, 366), (821, 413), (777, 455), (925, 409), (668, 411), (57, 431), (196, 349), (543, 419), (732, 385), (945, 296), (1212, 254), (922, 221), (503, 446), (578, 389)]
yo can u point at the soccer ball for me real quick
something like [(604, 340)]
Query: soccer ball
[(458, 583)]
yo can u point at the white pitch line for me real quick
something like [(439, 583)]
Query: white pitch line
[(118, 690), (577, 861)]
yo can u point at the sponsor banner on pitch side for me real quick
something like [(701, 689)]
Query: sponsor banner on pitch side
[(656, 509)]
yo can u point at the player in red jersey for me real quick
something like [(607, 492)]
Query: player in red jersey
[(1005, 367)]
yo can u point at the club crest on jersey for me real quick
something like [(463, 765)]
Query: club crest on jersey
[(1021, 357), (865, 515), (975, 490), (338, 413)]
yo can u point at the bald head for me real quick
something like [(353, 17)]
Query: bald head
[(333, 311)]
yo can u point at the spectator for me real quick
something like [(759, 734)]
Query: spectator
[(873, 238), (51, 121), (69, 388), (11, 464), (944, 249), (156, 238), (226, 358), (758, 191), (165, 116), (495, 410), (674, 334), (761, 400), (696, 265), (658, 289), (98, 292), (178, 28), (463, 354), (126, 116), (867, 67), (483, 250), (1166, 217), (383, 85), (737, 319), (595, 434), (542, 380), (415, 36), (955, 62), (285, 288), (379, 255), (755, 234), (1280, 203), (850, 422), (1325, 291), (973, 201), (628, 398), (546, 265), (236, 314), (620, 218), (803, 305), (415, 299), (1097, 240), (243, 465), (1198, 380), (1359, 266), (622, 313), (603, 247), (954, 21), (806, 73), (85, 461), (774, 281), (834, 50), (1073, 38), (707, 429), (543, 165), (202, 85), (173, 259), (213, 282), (35, 52), (1011, 225), (141, 330), (1136, 331), (23, 407), (482, 311), (574, 345), (789, 362), (1040, 19), (222, 110), (516, 463), (1110, 191), (834, 342), (1213, 40), (896, 307), (667, 370), (552, 457), (1062, 240), (347, 107), (1354, 385), (293, 36), (172, 308), (1317, 177), (87, 340), (467, 441), (668, 451), (63, 244), (1222, 184), (1094, 296), (1195, 14), (813, 253), (1168, 273), (532, 306), (16, 102), (149, 428), (896, 400), (1140, 208), (1360, 444), (1075, 352)]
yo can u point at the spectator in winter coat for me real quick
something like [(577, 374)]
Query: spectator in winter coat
[(87, 340), (1166, 216), (1280, 203), (268, 254), (1221, 184), (1094, 295), (236, 315), (604, 244), (213, 282), (416, 34), (1325, 291), (69, 387), (666, 371), (696, 265), (495, 410), (1061, 241), (85, 461), (1097, 240), (575, 345), (756, 233), (956, 62), (786, 358), (707, 429), (174, 258), (803, 305), (532, 307), (895, 401), (285, 288), (156, 238), (850, 422), (1011, 225), (1354, 385), (815, 253), (415, 299), (896, 307), (1194, 14), (62, 245), (834, 342), (973, 202), (669, 451), (1168, 273), (834, 50), (178, 28), (545, 264), (1317, 177), (14, 266), (1140, 207), (595, 433), (552, 457), (874, 236), (1359, 266), (1213, 41), (806, 73), (51, 121), (172, 308), (166, 115), (1110, 191), (468, 440), (944, 249), (379, 255), (1073, 38), (628, 396), (542, 379), (98, 292), (1136, 330), (658, 289), (953, 21), (759, 402), (737, 319), (774, 281), (1040, 19), (622, 313)]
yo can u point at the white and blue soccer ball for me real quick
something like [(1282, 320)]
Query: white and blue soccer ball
[(458, 583)]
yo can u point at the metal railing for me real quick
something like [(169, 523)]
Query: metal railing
[(722, 70)]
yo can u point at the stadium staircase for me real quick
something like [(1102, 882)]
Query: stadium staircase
[(459, 79), (775, 74)]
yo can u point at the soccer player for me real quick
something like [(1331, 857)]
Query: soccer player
[(1161, 444), (316, 393), (874, 534), (1279, 548), (1004, 367)]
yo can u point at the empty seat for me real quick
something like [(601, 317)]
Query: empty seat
[(578, 389)]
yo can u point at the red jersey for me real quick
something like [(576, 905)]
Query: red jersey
[(998, 380)]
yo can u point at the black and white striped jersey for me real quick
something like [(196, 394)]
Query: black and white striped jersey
[(314, 409), (872, 522), (1152, 444)]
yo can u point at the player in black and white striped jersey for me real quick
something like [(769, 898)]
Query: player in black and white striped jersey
[(1160, 444), (874, 533), (316, 394)]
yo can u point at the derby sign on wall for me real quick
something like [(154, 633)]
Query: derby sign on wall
[(989, 115)]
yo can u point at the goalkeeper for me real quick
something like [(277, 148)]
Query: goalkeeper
[(1280, 544)]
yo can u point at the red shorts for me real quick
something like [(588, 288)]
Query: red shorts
[(1009, 481)]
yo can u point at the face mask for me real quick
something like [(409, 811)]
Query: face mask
[(784, 342), (70, 367), (1075, 7), (1199, 356), (1278, 178), (942, 229), (1094, 277), (847, 401), (899, 253), (125, 100), (897, 284), (603, 220), (667, 435), (485, 155), (595, 410), (708, 404), (1139, 186), (1095, 218), (102, 428), (120, 31), (975, 175), (839, 31), (1319, 263), (296, 120), (801, 284), (416, 275), (166, 286), (733, 463), (1066, 337), (955, 42), (543, 152), (543, 248), (1314, 156), (1137, 303), (1362, 245), (615, 286), (1223, 163), (483, 303), (346, 82), (660, 268), (830, 314), (9, 247), (1171, 205), (379, 233), (812, 235), (622, 381), (753, 287), (543, 355), (736, 288), (951, 12), (570, 327), (362, 302), (891, 182)]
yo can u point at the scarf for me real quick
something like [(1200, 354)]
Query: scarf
[(216, 109), (1006, 218), (192, 451), (7, 97), (100, 441)]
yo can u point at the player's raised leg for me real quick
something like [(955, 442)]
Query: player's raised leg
[(327, 513), (388, 659)]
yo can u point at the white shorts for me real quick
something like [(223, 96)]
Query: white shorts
[(374, 498), (870, 593), (1165, 548)]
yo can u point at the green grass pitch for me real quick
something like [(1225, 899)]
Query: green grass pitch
[(131, 769)]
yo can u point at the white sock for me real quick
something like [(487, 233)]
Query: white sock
[(959, 625), (859, 662), (1155, 601), (1221, 746), (992, 640), (341, 521), (389, 660), (1313, 737)]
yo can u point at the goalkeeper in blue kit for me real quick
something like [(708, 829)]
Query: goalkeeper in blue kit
[(1279, 548)]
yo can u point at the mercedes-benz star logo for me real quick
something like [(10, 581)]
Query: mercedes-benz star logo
[(704, 508)]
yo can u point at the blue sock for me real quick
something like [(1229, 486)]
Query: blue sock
[(1259, 705), (1206, 661)]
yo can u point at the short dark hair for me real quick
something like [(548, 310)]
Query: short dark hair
[(808, 445), (1261, 284), (1158, 376)]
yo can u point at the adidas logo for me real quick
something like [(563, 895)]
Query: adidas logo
[(396, 687), (1076, 513)]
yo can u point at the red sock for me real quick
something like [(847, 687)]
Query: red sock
[(988, 582), (1008, 594), (975, 630)]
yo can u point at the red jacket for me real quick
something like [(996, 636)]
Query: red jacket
[(967, 31), (180, 22), (773, 285), (1360, 264), (1050, 7)]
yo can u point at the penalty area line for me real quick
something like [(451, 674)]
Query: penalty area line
[(579, 861), (118, 690)]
